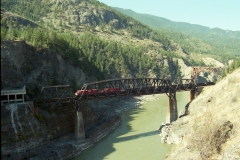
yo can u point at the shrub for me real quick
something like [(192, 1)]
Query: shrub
[(207, 136)]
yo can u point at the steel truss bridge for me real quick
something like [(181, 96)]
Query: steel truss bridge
[(127, 87), (138, 86), (124, 87)]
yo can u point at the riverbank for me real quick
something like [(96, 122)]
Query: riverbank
[(212, 127), (137, 136), (67, 147)]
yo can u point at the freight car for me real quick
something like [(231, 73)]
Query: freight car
[(87, 92), (110, 90), (96, 91)]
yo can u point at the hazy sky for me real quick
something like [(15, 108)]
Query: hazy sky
[(224, 14)]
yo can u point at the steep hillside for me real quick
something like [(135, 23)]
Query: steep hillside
[(211, 128)]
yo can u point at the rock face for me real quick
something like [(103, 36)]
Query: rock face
[(85, 13), (20, 131), (213, 62), (50, 134), (211, 128), (174, 133), (21, 64), (185, 70), (205, 76)]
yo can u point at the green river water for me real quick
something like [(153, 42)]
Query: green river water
[(137, 137)]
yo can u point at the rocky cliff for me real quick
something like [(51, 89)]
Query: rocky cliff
[(211, 130), (204, 76), (20, 130), (22, 64), (83, 13)]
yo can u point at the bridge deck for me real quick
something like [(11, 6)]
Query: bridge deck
[(117, 88), (143, 91)]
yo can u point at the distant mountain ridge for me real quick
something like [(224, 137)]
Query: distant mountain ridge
[(199, 31)]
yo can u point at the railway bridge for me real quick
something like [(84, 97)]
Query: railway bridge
[(118, 88)]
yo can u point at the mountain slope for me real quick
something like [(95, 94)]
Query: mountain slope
[(211, 129), (223, 40), (159, 22)]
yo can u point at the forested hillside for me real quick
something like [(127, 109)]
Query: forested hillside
[(103, 42), (99, 57)]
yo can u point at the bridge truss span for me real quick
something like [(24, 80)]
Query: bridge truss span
[(184, 84), (52, 94), (115, 88), (132, 86)]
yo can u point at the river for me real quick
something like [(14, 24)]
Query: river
[(137, 137)]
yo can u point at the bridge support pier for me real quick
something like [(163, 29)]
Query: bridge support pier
[(192, 95), (172, 112), (79, 126)]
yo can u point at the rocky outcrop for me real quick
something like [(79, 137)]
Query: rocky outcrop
[(204, 76), (186, 71), (85, 13), (20, 131), (211, 128), (212, 62), (173, 133)]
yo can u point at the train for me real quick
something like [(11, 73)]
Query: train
[(96, 91)]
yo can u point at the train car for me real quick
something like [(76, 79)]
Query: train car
[(110, 90), (86, 92), (92, 91)]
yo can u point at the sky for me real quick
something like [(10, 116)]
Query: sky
[(224, 14)]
